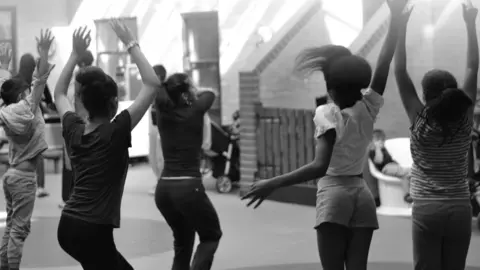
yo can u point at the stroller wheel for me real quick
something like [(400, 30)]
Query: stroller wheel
[(224, 184)]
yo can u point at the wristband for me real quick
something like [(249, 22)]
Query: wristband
[(132, 44)]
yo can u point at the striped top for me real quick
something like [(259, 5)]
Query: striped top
[(440, 166)]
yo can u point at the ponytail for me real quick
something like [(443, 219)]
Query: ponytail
[(449, 110)]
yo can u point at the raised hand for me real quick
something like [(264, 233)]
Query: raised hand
[(5, 55), (44, 42), (81, 40), (397, 7), (469, 12), (403, 18), (259, 191), (122, 31)]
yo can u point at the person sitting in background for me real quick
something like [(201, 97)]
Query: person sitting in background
[(384, 162)]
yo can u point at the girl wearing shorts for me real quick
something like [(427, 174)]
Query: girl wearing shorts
[(346, 213), (440, 142)]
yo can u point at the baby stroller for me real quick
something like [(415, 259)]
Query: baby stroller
[(222, 159)]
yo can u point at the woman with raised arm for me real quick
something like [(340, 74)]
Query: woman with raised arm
[(24, 127), (440, 140), (180, 195), (346, 213), (98, 147)]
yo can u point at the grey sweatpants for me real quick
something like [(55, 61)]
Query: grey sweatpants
[(19, 188), (441, 231)]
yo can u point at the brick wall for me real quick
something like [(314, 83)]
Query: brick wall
[(280, 85), (249, 85)]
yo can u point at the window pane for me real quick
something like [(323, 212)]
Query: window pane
[(115, 66), (5, 25)]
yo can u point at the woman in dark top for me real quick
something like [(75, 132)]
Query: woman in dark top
[(98, 147), (180, 195)]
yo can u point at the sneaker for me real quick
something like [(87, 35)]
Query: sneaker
[(41, 192)]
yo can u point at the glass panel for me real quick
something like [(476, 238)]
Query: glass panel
[(107, 40), (5, 25), (115, 66)]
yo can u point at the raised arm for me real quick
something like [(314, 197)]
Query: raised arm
[(408, 93), (81, 41), (380, 75), (205, 98), (43, 69), (471, 73), (152, 84)]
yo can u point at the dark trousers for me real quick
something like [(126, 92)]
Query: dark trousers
[(441, 234), (188, 210), (41, 172), (92, 245)]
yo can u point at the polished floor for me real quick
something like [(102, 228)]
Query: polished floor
[(275, 236)]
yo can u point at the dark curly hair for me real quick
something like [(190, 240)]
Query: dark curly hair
[(12, 89), (345, 74), (98, 92)]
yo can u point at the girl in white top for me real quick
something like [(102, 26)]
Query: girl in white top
[(345, 208)]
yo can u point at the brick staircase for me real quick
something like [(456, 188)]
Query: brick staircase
[(372, 33)]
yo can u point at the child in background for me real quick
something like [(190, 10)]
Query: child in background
[(385, 163), (24, 128)]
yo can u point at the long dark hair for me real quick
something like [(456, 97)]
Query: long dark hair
[(345, 74), (449, 110), (27, 67)]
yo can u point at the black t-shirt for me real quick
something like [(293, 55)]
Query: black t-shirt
[(387, 158), (181, 130), (100, 163)]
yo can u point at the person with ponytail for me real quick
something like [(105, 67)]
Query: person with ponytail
[(345, 209), (441, 129), (180, 195), (97, 142), (24, 127)]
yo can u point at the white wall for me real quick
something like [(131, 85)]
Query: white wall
[(32, 16)]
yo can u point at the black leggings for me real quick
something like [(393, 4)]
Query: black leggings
[(188, 210), (41, 172), (90, 244), (343, 248)]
